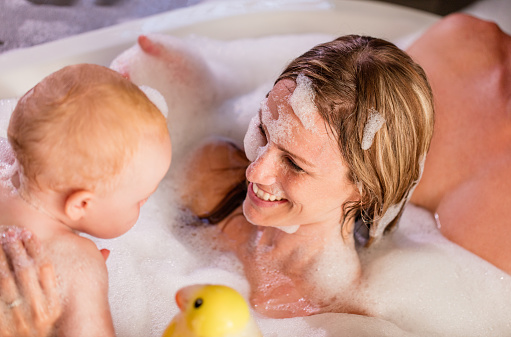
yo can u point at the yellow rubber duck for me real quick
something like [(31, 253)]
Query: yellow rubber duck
[(211, 311)]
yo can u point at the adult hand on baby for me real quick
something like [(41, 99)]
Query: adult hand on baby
[(29, 300)]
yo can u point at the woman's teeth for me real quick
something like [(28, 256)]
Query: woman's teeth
[(264, 195)]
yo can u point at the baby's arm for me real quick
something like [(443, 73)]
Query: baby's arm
[(86, 308)]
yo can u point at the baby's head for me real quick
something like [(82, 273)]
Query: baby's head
[(83, 129)]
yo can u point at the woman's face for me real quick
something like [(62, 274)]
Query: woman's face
[(297, 175)]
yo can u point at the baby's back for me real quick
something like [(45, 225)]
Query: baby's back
[(80, 267)]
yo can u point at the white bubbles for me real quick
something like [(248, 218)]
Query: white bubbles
[(392, 212), (157, 98), (289, 229), (374, 123), (254, 139), (280, 126), (302, 101), (8, 166), (6, 108)]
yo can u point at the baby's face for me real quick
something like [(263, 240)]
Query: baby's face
[(117, 211)]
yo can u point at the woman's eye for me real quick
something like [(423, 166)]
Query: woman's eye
[(293, 165)]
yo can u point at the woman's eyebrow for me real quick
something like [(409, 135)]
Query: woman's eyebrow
[(301, 159)]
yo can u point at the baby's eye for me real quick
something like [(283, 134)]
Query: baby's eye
[(293, 165)]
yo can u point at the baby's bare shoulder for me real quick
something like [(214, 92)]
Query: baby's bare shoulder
[(75, 250), (83, 279), (77, 260)]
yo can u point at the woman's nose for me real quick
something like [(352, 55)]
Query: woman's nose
[(263, 170)]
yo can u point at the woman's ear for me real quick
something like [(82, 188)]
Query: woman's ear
[(77, 204)]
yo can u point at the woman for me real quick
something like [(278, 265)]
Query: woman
[(341, 136)]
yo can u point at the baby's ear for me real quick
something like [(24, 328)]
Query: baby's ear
[(77, 204)]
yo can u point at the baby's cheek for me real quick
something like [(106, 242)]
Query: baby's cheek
[(253, 139)]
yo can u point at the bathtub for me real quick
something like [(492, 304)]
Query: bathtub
[(423, 284)]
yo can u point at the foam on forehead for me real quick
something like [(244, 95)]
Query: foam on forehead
[(280, 128), (302, 101), (253, 140)]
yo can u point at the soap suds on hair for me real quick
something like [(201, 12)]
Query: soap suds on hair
[(157, 98), (302, 101), (373, 125), (393, 211)]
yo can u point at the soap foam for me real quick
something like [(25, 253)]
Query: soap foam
[(302, 101), (373, 125)]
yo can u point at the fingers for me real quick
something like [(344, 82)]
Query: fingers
[(8, 289), (105, 253), (28, 288), (49, 287), (39, 284), (12, 322), (25, 271), (32, 245)]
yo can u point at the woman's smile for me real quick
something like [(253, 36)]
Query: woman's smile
[(261, 198), (263, 194), (297, 176)]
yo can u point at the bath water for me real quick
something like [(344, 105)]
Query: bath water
[(416, 282)]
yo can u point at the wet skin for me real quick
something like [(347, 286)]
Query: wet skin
[(466, 177), (303, 169)]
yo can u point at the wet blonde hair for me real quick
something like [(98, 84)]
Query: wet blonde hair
[(352, 76), (79, 127)]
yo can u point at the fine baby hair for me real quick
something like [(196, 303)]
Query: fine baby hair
[(88, 111), (378, 103)]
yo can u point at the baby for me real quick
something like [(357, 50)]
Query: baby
[(86, 149)]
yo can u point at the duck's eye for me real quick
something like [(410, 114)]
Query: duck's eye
[(198, 303)]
